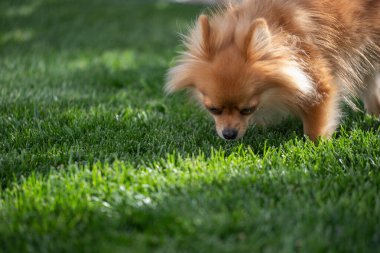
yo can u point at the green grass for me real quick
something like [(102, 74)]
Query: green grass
[(94, 157)]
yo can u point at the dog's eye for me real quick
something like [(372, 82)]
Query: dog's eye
[(247, 111), (215, 111)]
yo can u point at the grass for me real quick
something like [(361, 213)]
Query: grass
[(94, 158)]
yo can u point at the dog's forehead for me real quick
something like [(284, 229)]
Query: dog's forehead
[(229, 66), (221, 98), (226, 80)]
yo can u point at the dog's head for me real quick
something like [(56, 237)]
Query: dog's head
[(234, 68)]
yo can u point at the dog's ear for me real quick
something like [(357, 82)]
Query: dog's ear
[(258, 39), (205, 29), (178, 78)]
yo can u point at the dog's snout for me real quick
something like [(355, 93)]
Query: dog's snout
[(230, 133)]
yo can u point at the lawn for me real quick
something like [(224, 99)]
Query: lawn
[(95, 158)]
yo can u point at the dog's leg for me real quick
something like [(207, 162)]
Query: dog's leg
[(371, 96), (321, 119)]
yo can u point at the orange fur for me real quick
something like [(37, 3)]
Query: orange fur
[(255, 60)]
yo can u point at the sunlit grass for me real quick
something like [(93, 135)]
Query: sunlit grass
[(16, 36), (23, 10), (95, 158)]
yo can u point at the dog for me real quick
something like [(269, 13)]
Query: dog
[(256, 61)]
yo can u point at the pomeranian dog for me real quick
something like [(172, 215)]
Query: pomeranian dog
[(256, 61)]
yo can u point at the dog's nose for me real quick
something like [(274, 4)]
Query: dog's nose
[(230, 133)]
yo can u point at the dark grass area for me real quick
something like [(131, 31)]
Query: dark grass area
[(94, 157)]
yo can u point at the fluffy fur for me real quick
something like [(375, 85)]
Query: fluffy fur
[(252, 61)]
